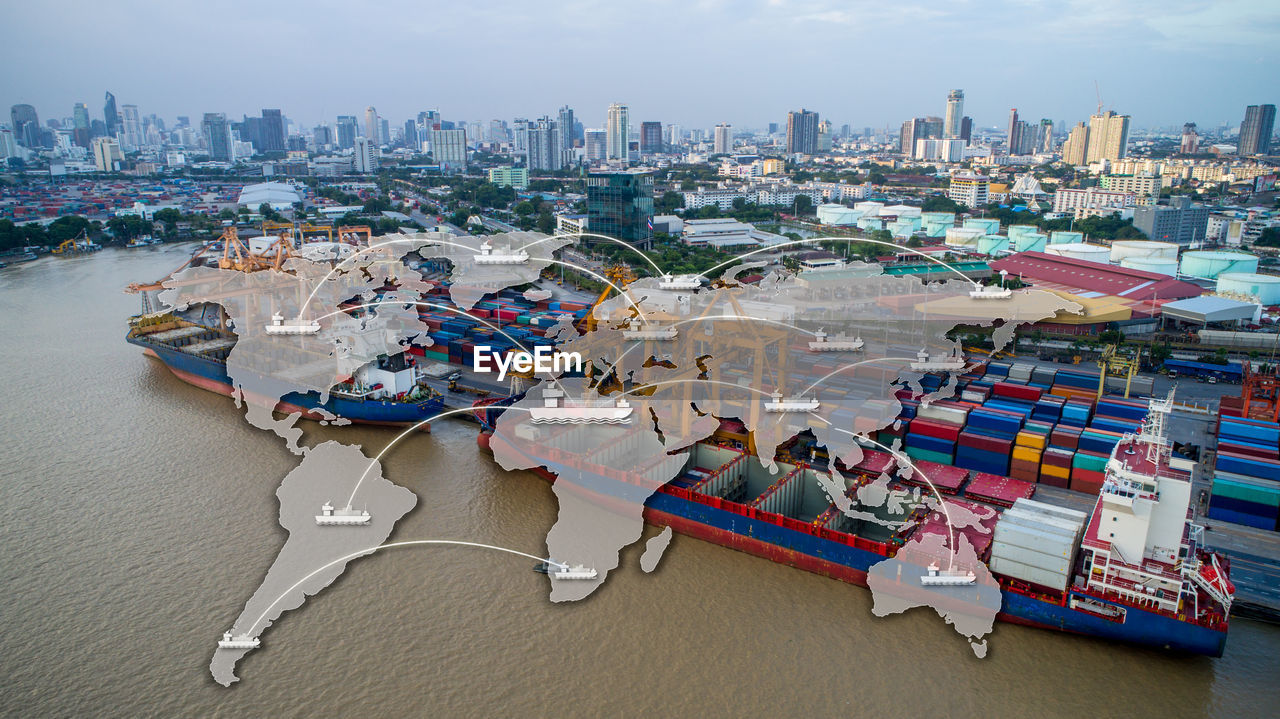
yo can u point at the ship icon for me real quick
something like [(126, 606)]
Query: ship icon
[(680, 282), (790, 404), (991, 292), (952, 363), (947, 577), (556, 409), (487, 256), (653, 333), (238, 641), (345, 517), (839, 343), (280, 326), (577, 571)]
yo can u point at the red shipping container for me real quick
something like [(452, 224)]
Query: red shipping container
[(934, 428), (983, 442), (1052, 481), (1055, 457), (1017, 391), (1226, 445)]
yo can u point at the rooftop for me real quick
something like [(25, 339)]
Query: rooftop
[(1094, 279)]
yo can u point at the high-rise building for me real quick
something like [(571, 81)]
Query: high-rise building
[(81, 128), (26, 125), (773, 128), (411, 134), (1044, 136), (1108, 137), (510, 176), (449, 147), (1255, 131), (825, 131), (617, 130), (131, 137), (1190, 139), (106, 154), (802, 132), (918, 128), (217, 135), (674, 136), (724, 139), (955, 114), (322, 136), (969, 189), (520, 134), (1179, 222), (111, 115), (620, 205), (345, 132), (966, 129), (271, 132), (650, 137), (567, 125), (371, 126), (365, 158), (597, 145), (1075, 150), (1014, 134), (546, 145)]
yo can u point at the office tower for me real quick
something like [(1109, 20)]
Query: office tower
[(410, 139), (1190, 139), (217, 135), (271, 131), (365, 156), (802, 132), (106, 154), (8, 148), (1044, 136), (618, 132), (620, 205), (371, 125), (724, 139), (567, 124), (498, 131), (80, 124), (1108, 137), (111, 115), (384, 131), (1013, 137), (650, 137), (345, 132), (546, 145), (674, 136), (966, 129), (449, 148), (597, 145), (955, 114), (918, 128), (26, 125), (1255, 131), (322, 136), (520, 134), (130, 128), (1075, 150)]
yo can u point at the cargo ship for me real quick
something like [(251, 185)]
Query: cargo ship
[(1133, 570)]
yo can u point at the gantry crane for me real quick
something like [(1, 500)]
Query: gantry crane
[(1113, 362), (1260, 393)]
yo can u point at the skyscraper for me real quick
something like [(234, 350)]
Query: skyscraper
[(346, 132), (651, 137), (1014, 134), (724, 139), (449, 147), (217, 135), (80, 124), (966, 129), (825, 132), (546, 145), (520, 134), (111, 115), (802, 132), (26, 125), (271, 132), (620, 205), (365, 156), (1044, 136), (1075, 150), (130, 128), (371, 125), (617, 132), (955, 113), (106, 154), (1108, 137), (1255, 131), (322, 136), (597, 145), (567, 124)]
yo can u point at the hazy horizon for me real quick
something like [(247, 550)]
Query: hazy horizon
[(693, 64)]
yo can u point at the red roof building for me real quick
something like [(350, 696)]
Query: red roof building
[(1094, 279)]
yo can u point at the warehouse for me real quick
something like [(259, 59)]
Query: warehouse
[(1094, 279), (1208, 311)]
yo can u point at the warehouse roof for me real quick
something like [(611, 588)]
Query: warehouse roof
[(1204, 310), (1094, 279), (279, 195)]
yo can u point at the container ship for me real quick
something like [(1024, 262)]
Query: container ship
[(1133, 569)]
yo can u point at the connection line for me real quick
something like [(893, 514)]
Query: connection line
[(614, 240), (770, 248), (392, 545)]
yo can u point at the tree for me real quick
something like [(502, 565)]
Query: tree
[(803, 204), (170, 218), (128, 227), (67, 227), (668, 203), (939, 203), (375, 205), (546, 223)]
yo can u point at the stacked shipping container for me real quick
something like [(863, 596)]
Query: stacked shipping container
[(1246, 484)]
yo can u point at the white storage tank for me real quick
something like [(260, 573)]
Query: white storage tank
[(1209, 264), (1120, 249), (1081, 251), (1265, 287), (835, 214), (1160, 265), (1066, 237), (962, 237)]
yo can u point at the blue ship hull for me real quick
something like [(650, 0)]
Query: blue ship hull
[(211, 374)]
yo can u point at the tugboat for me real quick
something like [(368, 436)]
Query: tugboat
[(653, 333), (280, 326), (791, 404), (577, 571), (947, 577), (345, 517), (839, 343), (238, 641), (488, 257), (923, 363), (553, 411)]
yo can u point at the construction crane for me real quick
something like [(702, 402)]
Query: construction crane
[(621, 276), (1259, 393), (1113, 362)]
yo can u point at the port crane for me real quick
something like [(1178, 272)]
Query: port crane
[(1115, 362)]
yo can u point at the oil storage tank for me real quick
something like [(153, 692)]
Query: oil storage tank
[(1265, 287), (1161, 265), (962, 237), (1081, 251), (1066, 237), (1121, 249), (1209, 264), (1030, 242), (992, 244)]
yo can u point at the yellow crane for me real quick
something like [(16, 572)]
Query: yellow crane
[(1116, 363)]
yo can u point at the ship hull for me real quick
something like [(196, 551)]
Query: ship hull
[(837, 560), (211, 375)]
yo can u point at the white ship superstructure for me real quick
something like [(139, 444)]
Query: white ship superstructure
[(777, 403), (637, 330), (509, 256), (576, 571), (238, 641), (937, 577), (925, 363), (680, 282), (344, 517)]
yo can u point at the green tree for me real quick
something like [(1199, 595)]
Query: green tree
[(803, 205), (169, 217)]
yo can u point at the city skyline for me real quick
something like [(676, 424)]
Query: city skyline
[(1070, 51)]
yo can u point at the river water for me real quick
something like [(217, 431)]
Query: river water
[(139, 514)]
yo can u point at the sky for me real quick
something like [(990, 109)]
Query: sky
[(691, 62)]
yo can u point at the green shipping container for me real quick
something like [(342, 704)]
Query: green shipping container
[(929, 455), (1257, 494), (1089, 462)]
